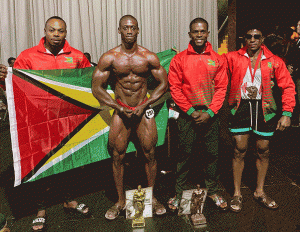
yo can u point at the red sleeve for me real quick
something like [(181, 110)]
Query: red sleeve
[(286, 85), (175, 83), (221, 82)]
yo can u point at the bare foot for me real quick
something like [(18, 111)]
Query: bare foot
[(41, 214), (73, 205), (114, 211)]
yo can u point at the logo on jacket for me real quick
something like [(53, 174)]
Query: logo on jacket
[(269, 64), (211, 62), (69, 60)]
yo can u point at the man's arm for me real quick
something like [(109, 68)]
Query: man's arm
[(100, 78), (160, 74)]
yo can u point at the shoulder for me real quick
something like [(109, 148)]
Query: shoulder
[(76, 52), (29, 51)]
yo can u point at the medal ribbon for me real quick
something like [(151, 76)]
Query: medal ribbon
[(256, 65)]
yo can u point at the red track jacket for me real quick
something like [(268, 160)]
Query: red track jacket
[(198, 79), (273, 70)]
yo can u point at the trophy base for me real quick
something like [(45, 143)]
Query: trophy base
[(198, 219), (139, 222)]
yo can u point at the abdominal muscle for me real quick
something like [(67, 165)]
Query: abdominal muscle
[(131, 90)]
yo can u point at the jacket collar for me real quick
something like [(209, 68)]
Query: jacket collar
[(267, 53), (208, 49), (41, 47)]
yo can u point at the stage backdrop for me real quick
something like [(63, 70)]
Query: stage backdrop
[(92, 25), (56, 124)]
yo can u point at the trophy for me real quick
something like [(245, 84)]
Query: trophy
[(139, 206), (197, 204)]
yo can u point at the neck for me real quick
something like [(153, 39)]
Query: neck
[(54, 49), (129, 48), (199, 49), (253, 53)]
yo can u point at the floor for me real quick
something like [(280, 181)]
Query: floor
[(94, 186)]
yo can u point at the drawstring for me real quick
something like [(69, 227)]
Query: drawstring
[(250, 112), (256, 115)]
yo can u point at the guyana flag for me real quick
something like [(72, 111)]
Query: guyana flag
[(56, 124)]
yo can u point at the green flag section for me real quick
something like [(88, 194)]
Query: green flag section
[(56, 123)]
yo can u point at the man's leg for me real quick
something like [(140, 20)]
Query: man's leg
[(147, 134), (262, 164), (241, 146), (211, 139), (118, 142), (187, 137)]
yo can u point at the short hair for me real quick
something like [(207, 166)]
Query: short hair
[(55, 17), (198, 20), (88, 56), (10, 59), (128, 16)]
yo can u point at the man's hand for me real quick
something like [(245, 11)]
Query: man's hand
[(200, 117), (125, 111), (283, 123), (3, 71), (139, 110)]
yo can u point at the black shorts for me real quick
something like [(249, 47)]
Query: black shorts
[(249, 117)]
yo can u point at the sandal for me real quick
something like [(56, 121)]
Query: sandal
[(114, 212), (236, 204), (266, 201), (174, 202), (158, 208), (79, 209), (219, 200), (39, 221)]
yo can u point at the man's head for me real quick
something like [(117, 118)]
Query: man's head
[(11, 61), (128, 28), (88, 56), (199, 32), (254, 39), (298, 27), (55, 32)]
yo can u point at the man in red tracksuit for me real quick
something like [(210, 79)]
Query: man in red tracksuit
[(198, 82), (53, 52), (255, 74)]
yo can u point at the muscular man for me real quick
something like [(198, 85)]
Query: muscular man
[(53, 52), (130, 65), (198, 82), (255, 73)]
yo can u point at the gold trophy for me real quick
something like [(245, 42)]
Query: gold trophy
[(139, 206), (197, 204)]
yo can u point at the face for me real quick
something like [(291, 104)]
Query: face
[(254, 39), (298, 27), (199, 34), (55, 32), (11, 64), (129, 30)]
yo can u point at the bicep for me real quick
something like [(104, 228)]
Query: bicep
[(102, 71), (157, 70)]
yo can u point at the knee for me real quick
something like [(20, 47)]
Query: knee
[(149, 154), (240, 152), (117, 158), (263, 154)]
